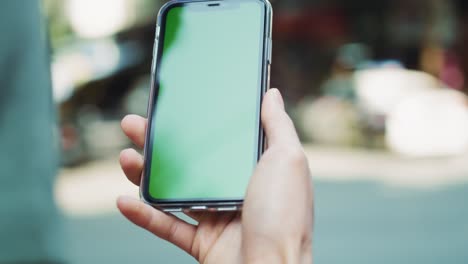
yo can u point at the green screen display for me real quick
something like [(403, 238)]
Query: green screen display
[(205, 126)]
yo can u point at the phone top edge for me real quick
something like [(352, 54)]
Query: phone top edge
[(173, 3)]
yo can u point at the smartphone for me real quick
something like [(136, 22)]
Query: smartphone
[(210, 70)]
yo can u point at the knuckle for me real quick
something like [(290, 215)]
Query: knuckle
[(148, 220), (294, 156), (172, 234)]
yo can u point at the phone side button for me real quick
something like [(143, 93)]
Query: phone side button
[(227, 209), (155, 57), (270, 50), (172, 210), (198, 208)]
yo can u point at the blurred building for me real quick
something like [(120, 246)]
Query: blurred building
[(102, 57)]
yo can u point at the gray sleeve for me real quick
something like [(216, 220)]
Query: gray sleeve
[(29, 223)]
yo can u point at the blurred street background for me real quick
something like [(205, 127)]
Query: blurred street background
[(378, 92)]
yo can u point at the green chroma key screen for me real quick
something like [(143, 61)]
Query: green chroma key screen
[(205, 128)]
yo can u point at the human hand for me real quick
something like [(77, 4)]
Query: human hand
[(275, 225)]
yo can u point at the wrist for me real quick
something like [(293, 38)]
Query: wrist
[(284, 253)]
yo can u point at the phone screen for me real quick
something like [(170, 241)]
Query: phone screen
[(205, 128)]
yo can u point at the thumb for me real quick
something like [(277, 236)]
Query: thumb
[(278, 126)]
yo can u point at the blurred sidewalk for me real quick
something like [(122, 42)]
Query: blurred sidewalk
[(360, 218), (338, 164)]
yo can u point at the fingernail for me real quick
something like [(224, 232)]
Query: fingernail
[(278, 97)]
